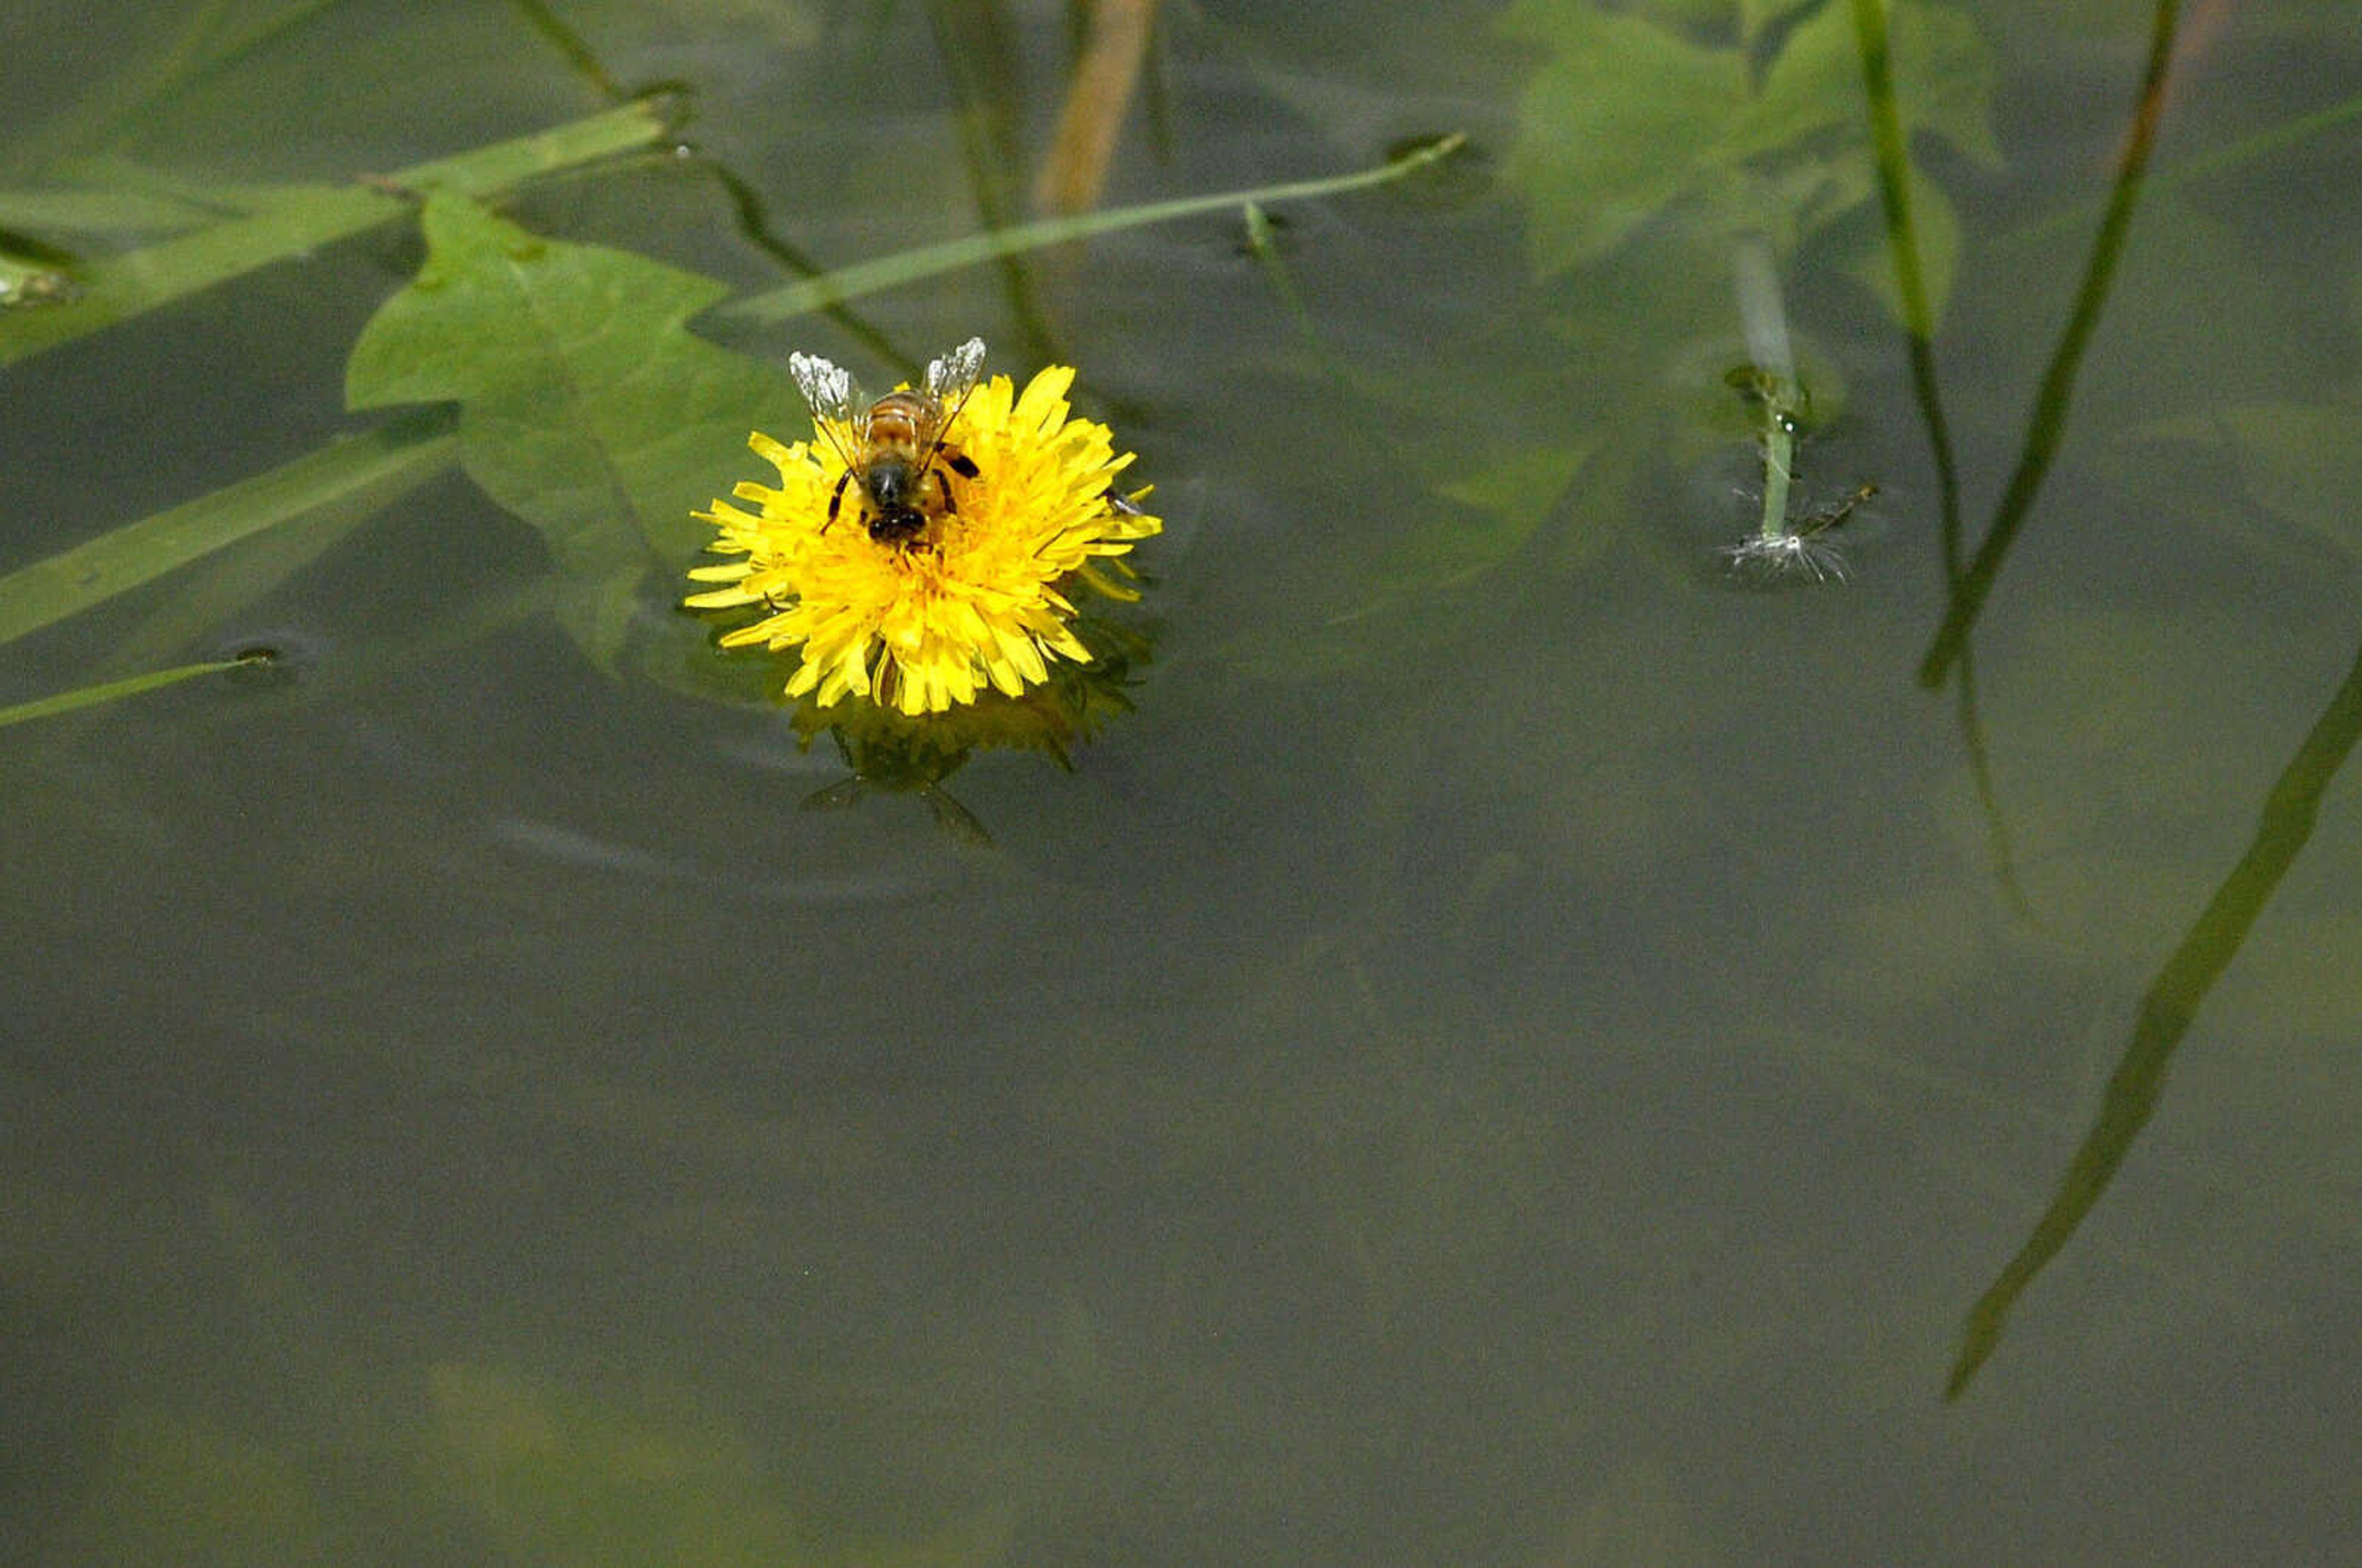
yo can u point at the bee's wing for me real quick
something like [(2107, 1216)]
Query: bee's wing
[(837, 407), (950, 380), (952, 377), (827, 386)]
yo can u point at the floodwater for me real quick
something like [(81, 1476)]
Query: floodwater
[(1542, 1037)]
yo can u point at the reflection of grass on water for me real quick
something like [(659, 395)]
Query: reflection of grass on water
[(2166, 1010), (2170, 1004)]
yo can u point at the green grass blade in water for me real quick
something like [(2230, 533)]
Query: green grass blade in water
[(113, 691), (278, 223), (92, 572), (2166, 1010)]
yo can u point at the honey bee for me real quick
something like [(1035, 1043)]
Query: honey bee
[(896, 445)]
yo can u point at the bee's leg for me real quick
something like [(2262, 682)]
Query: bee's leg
[(960, 464), (836, 498)]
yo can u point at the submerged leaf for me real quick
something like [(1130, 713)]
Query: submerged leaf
[(1607, 121), (1944, 77), (1627, 119), (2302, 462), (587, 407), (1936, 227)]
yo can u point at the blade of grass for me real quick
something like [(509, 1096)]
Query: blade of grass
[(2166, 1010), (1893, 165), (1895, 176), (2046, 429), (112, 690), (221, 591), (283, 222), (892, 271), (396, 454)]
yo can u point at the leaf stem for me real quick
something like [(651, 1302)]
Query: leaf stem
[(808, 295)]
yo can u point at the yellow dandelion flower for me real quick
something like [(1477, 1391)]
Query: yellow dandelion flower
[(962, 587)]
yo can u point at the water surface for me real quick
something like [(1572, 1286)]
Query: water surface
[(1520, 1050)]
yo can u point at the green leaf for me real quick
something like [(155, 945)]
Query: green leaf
[(1609, 123), (1504, 494), (594, 1477), (1627, 119), (1943, 80), (1945, 73), (587, 408), (1813, 83), (1515, 484), (1937, 228)]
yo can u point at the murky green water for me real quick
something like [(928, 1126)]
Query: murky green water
[(1525, 1045)]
